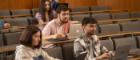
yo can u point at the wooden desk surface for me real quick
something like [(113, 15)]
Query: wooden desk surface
[(100, 36), (8, 48), (13, 16), (13, 28), (118, 34), (117, 20), (13, 47), (22, 15), (134, 57), (101, 11)]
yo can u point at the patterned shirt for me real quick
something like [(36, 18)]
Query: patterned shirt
[(89, 46)]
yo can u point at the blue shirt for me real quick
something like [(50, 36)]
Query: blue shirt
[(1, 24)]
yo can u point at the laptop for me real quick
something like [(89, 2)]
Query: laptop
[(75, 31), (121, 53)]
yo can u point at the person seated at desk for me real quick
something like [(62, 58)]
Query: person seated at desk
[(45, 13), (30, 46), (4, 26), (88, 45), (7, 25), (58, 27)]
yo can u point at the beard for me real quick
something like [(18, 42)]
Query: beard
[(64, 20), (91, 33)]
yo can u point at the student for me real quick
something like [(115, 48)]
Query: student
[(59, 27), (89, 44), (7, 25), (54, 5), (30, 46), (4, 24), (45, 13)]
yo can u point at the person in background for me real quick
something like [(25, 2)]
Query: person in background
[(54, 5), (7, 25), (45, 13), (58, 27), (4, 24), (30, 46), (88, 45)]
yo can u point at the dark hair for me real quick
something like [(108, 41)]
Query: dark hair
[(88, 20), (62, 8), (26, 36), (42, 10)]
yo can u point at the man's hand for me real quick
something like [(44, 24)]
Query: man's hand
[(103, 56), (60, 36)]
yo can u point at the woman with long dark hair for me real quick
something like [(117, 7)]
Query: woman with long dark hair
[(45, 13), (30, 46)]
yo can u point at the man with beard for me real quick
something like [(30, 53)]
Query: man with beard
[(88, 46), (58, 27)]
